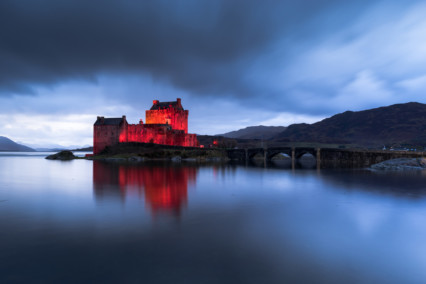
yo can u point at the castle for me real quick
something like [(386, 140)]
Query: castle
[(166, 123)]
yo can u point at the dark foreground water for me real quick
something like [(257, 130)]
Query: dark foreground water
[(93, 222)]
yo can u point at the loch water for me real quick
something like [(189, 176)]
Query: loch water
[(86, 221)]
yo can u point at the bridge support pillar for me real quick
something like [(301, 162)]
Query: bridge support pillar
[(318, 158), (246, 155), (293, 157)]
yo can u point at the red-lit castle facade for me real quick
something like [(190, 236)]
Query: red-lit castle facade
[(166, 123)]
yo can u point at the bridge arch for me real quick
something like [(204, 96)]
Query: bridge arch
[(257, 155), (275, 153), (251, 153), (303, 151)]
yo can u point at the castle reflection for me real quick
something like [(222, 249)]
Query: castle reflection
[(164, 188)]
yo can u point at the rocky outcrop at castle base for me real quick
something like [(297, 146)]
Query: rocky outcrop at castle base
[(401, 164), (63, 156), (139, 152)]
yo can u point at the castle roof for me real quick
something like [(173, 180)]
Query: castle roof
[(162, 105), (110, 121)]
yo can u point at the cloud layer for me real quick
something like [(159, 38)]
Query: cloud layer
[(234, 63)]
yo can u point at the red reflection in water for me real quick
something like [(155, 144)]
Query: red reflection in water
[(165, 188)]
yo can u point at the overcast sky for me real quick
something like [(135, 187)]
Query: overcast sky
[(233, 63)]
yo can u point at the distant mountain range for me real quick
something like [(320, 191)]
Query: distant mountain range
[(255, 132), (8, 145), (392, 125), (399, 124), (52, 147)]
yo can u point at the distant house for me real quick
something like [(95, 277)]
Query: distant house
[(166, 123)]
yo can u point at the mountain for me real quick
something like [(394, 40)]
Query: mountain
[(52, 147), (8, 145), (255, 132), (396, 124), (84, 149)]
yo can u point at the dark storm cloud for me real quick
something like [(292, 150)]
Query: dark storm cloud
[(234, 63), (202, 47)]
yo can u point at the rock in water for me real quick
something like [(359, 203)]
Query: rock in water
[(176, 158), (63, 156), (401, 164)]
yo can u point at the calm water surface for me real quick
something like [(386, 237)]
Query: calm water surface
[(94, 222)]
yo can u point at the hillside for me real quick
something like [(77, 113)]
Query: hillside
[(255, 132), (393, 125), (8, 145)]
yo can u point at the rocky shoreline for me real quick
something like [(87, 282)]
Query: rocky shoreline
[(149, 154), (401, 164)]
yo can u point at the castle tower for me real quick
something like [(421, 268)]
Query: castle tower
[(108, 131), (171, 113)]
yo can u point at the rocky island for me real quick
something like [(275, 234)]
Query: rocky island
[(63, 156)]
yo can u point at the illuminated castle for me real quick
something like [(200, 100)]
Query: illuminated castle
[(166, 123)]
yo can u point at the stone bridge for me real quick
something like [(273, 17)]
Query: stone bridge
[(325, 157)]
